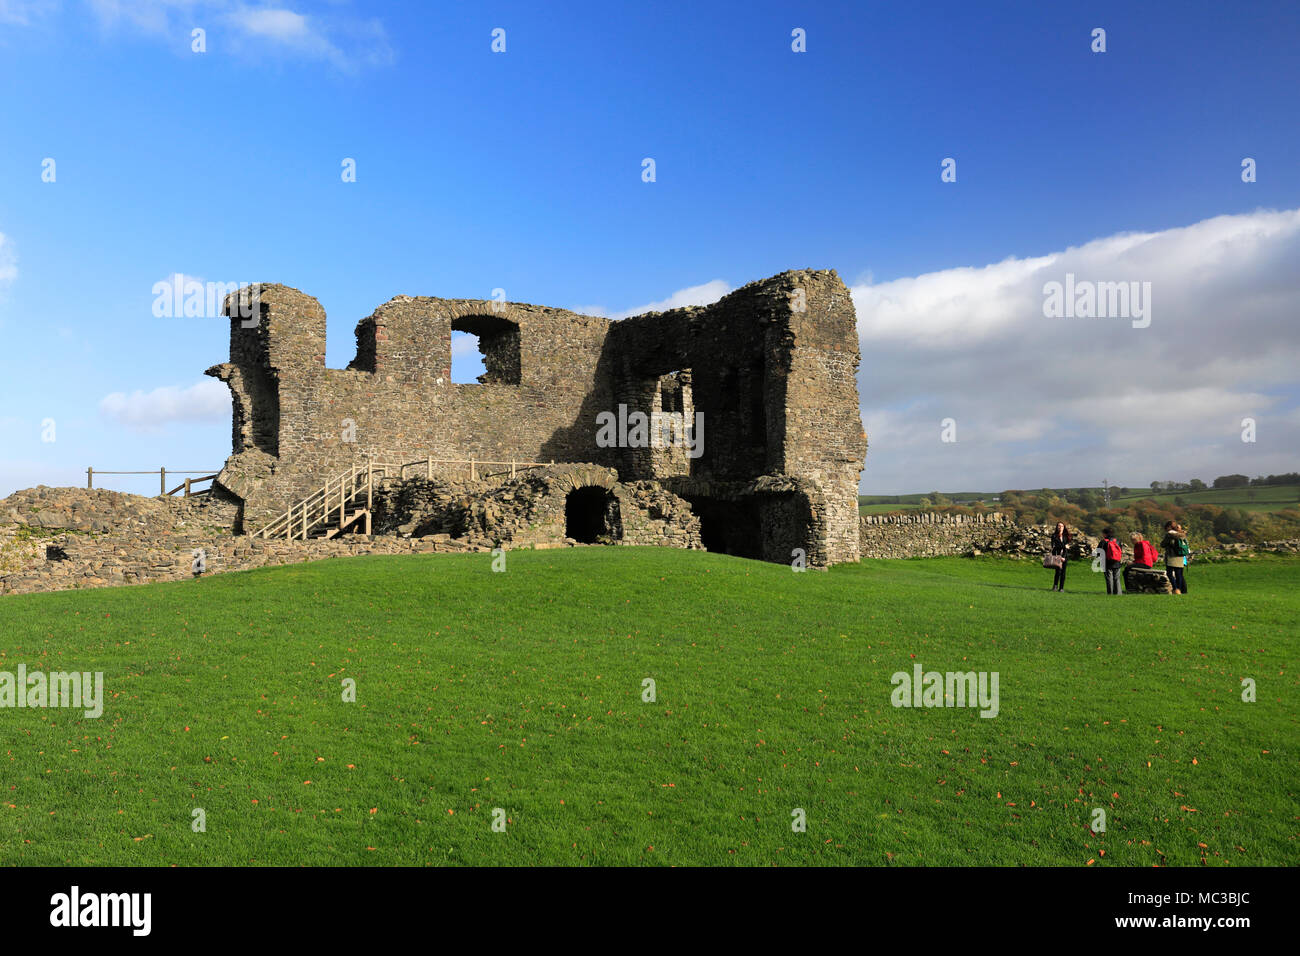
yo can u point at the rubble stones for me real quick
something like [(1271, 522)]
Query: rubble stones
[(1146, 581)]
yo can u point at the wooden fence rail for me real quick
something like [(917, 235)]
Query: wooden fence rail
[(474, 463), (185, 486)]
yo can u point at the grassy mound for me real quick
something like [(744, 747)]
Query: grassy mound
[(523, 691)]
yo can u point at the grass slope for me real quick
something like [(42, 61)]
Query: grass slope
[(522, 690), (1268, 498)]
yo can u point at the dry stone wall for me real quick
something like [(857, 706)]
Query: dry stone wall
[(58, 538), (929, 535)]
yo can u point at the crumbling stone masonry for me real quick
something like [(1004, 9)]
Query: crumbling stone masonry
[(770, 368)]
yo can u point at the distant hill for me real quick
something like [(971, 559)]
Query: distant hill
[(1263, 498)]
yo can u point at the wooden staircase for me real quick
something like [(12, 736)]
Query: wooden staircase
[(345, 501)]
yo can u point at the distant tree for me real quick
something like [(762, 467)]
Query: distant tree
[(1196, 485), (1155, 486), (1231, 522), (925, 503), (1231, 481)]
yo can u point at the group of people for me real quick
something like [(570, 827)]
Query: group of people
[(1173, 546)]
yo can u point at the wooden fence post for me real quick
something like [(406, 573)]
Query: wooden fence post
[(90, 477), (428, 468), (187, 487), (162, 481)]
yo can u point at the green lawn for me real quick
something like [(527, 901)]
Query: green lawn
[(523, 690)]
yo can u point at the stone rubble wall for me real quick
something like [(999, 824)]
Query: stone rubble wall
[(930, 534), (94, 561), (529, 510), (58, 538)]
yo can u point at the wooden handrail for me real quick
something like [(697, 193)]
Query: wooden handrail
[(304, 515), (160, 472), (187, 483), (316, 507)]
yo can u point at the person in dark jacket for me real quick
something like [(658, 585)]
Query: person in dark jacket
[(1060, 543), (1111, 566), (1172, 545)]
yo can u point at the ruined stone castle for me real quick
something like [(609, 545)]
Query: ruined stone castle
[(770, 371)]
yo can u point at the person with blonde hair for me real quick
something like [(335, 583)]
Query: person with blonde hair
[(1144, 556), (1174, 545)]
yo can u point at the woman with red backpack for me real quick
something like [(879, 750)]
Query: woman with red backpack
[(1113, 553), (1060, 543), (1144, 554)]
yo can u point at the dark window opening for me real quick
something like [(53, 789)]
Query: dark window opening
[(675, 392), (757, 404), (591, 516), (730, 527)]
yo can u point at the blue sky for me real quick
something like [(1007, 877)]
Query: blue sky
[(522, 171)]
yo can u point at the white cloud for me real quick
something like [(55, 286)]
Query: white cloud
[(346, 42), (1068, 401), (705, 294), (25, 12), (278, 24), (150, 16), (8, 262), (207, 401), (464, 344), (287, 30), (8, 267)]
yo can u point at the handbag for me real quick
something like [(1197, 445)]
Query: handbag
[(1053, 561)]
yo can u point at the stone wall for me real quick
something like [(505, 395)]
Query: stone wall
[(932, 534), (533, 509), (93, 561), (59, 538), (929, 534), (770, 368)]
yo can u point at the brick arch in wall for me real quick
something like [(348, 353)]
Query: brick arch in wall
[(566, 478), (591, 509)]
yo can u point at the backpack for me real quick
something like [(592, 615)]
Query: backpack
[(1144, 554), (1113, 551), (1183, 548)]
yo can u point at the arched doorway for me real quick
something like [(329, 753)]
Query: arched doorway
[(591, 515)]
